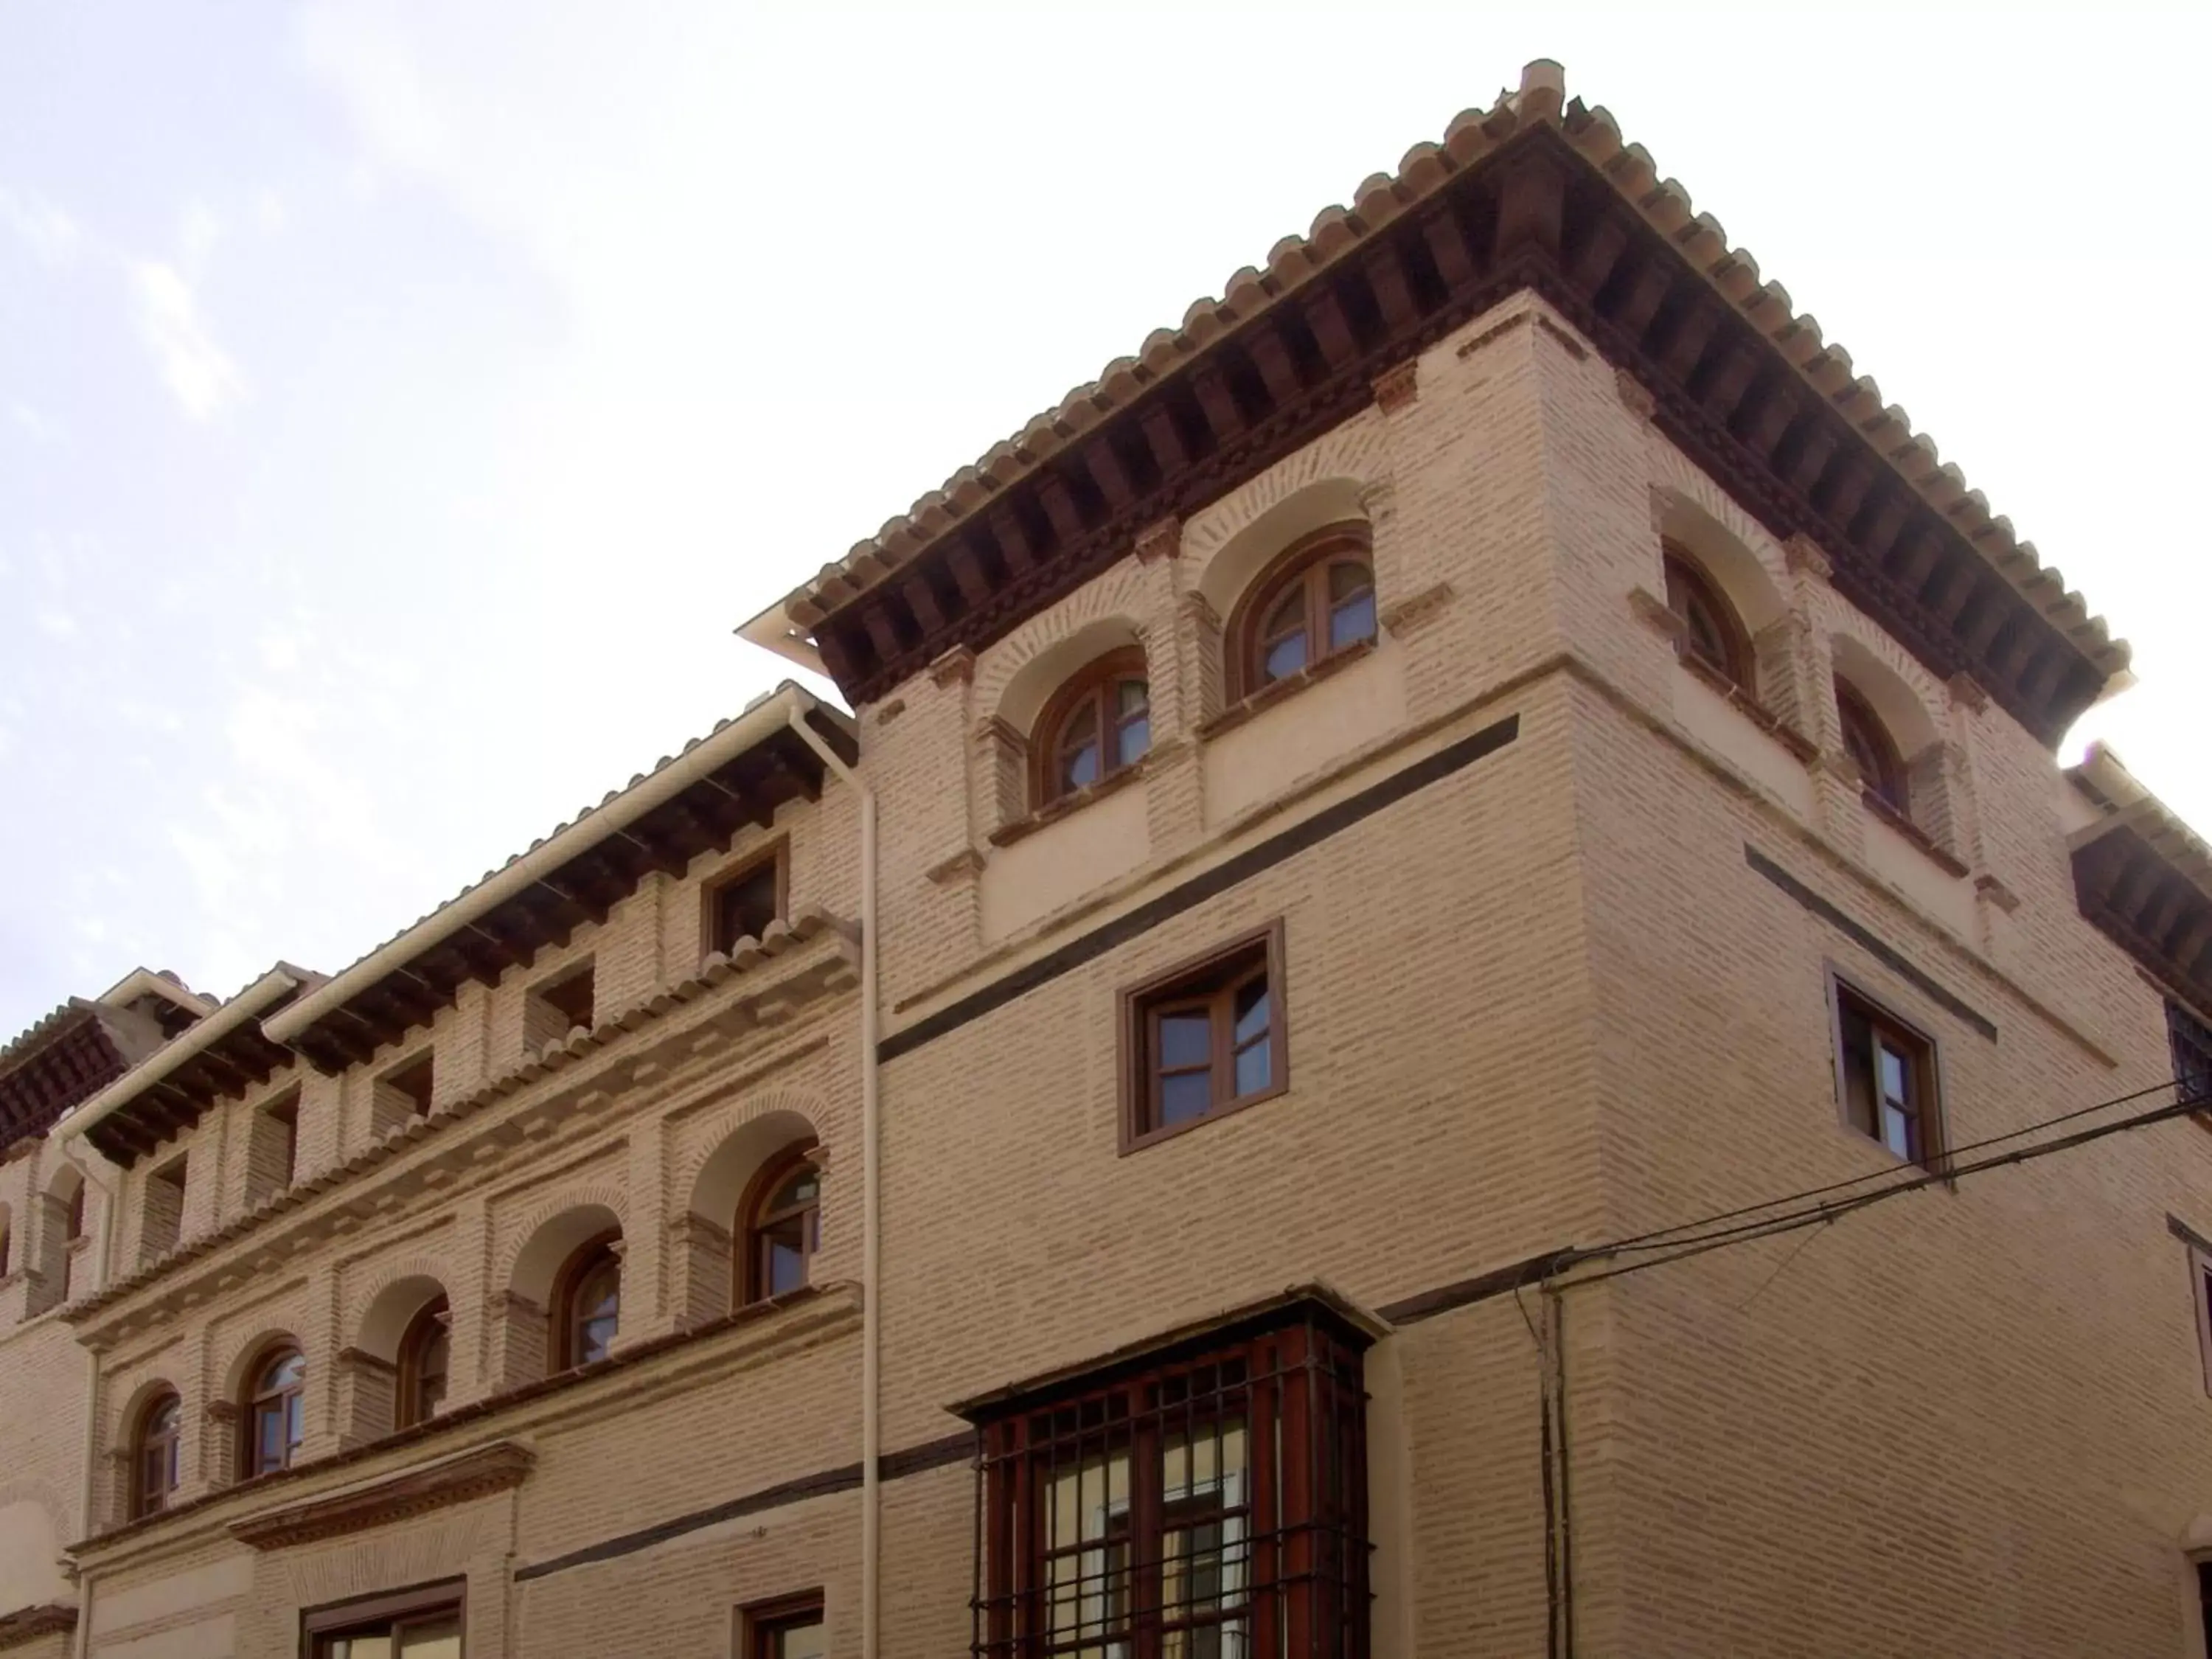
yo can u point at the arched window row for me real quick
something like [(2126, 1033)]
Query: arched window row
[(1881, 767), (1316, 603), (1713, 634)]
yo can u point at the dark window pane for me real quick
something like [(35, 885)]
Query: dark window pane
[(1185, 1040), (1130, 697), (743, 908), (1184, 1095), (1251, 1011), (1858, 1069)]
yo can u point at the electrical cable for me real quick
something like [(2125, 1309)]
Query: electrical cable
[(1820, 1213)]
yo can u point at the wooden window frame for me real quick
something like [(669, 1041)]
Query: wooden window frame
[(1140, 1002), (145, 1499), (1093, 685), (1934, 1125), (712, 889), (1293, 1381), (757, 1623), (1299, 562), (406, 1402), (1687, 581), (749, 1273), (562, 1346), (250, 1409), (1892, 776), (362, 1615)]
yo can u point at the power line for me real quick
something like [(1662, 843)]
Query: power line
[(1817, 1214), (1644, 1240)]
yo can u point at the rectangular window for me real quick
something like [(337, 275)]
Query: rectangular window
[(2190, 1039), (1207, 1501), (554, 1009), (403, 1092), (742, 902), (419, 1623), (790, 1628), (272, 1147), (1886, 1074), (164, 1216), (1204, 1039)]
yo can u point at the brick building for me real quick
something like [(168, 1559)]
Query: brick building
[(1249, 1101)]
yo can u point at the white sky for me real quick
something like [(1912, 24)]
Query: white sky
[(400, 404)]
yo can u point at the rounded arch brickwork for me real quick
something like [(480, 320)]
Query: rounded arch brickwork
[(247, 1356), (1353, 453), (1730, 554), (1680, 483), (1895, 686), (711, 1134), (604, 1200), (380, 1320), (1117, 595)]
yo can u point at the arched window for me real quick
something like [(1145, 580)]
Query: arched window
[(1714, 636), (587, 1304), (784, 1228), (1868, 742), (423, 1353), (276, 1412), (154, 1455), (1318, 601), (1096, 725)]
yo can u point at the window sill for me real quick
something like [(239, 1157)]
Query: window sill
[(1137, 1143), (1054, 809), (1748, 706), (1913, 832), (1274, 691)]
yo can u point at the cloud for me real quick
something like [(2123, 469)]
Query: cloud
[(38, 427), (199, 372), (59, 624), (195, 237), (51, 234)]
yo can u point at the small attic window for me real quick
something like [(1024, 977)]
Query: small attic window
[(403, 1093), (558, 1006), (741, 904)]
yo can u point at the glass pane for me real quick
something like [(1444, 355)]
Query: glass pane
[(1185, 1040), (1251, 1011), (744, 907), (282, 1373), (1858, 1070), (800, 1641), (803, 1187), (431, 1638), (362, 1647), (1897, 1131), (1894, 1073), (1348, 581), (296, 1423), (1254, 1068), (787, 1266), (269, 1428), (1352, 621), (1134, 738), (1285, 656), (1079, 768), (595, 1341), (1184, 1095), (1130, 697)]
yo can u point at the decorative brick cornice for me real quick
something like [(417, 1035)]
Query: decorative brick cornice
[(1803, 555), (1633, 398), (1502, 326), (1987, 886), (1656, 614), (1160, 540), (963, 865), (1402, 618), (362, 1360), (956, 667), (1397, 386), (28, 1624), (499, 1467)]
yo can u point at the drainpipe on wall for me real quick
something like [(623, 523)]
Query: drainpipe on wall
[(111, 1214), (871, 1191)]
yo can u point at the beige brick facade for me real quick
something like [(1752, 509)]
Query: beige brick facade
[(1560, 924)]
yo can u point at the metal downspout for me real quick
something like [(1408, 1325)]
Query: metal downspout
[(871, 1188)]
